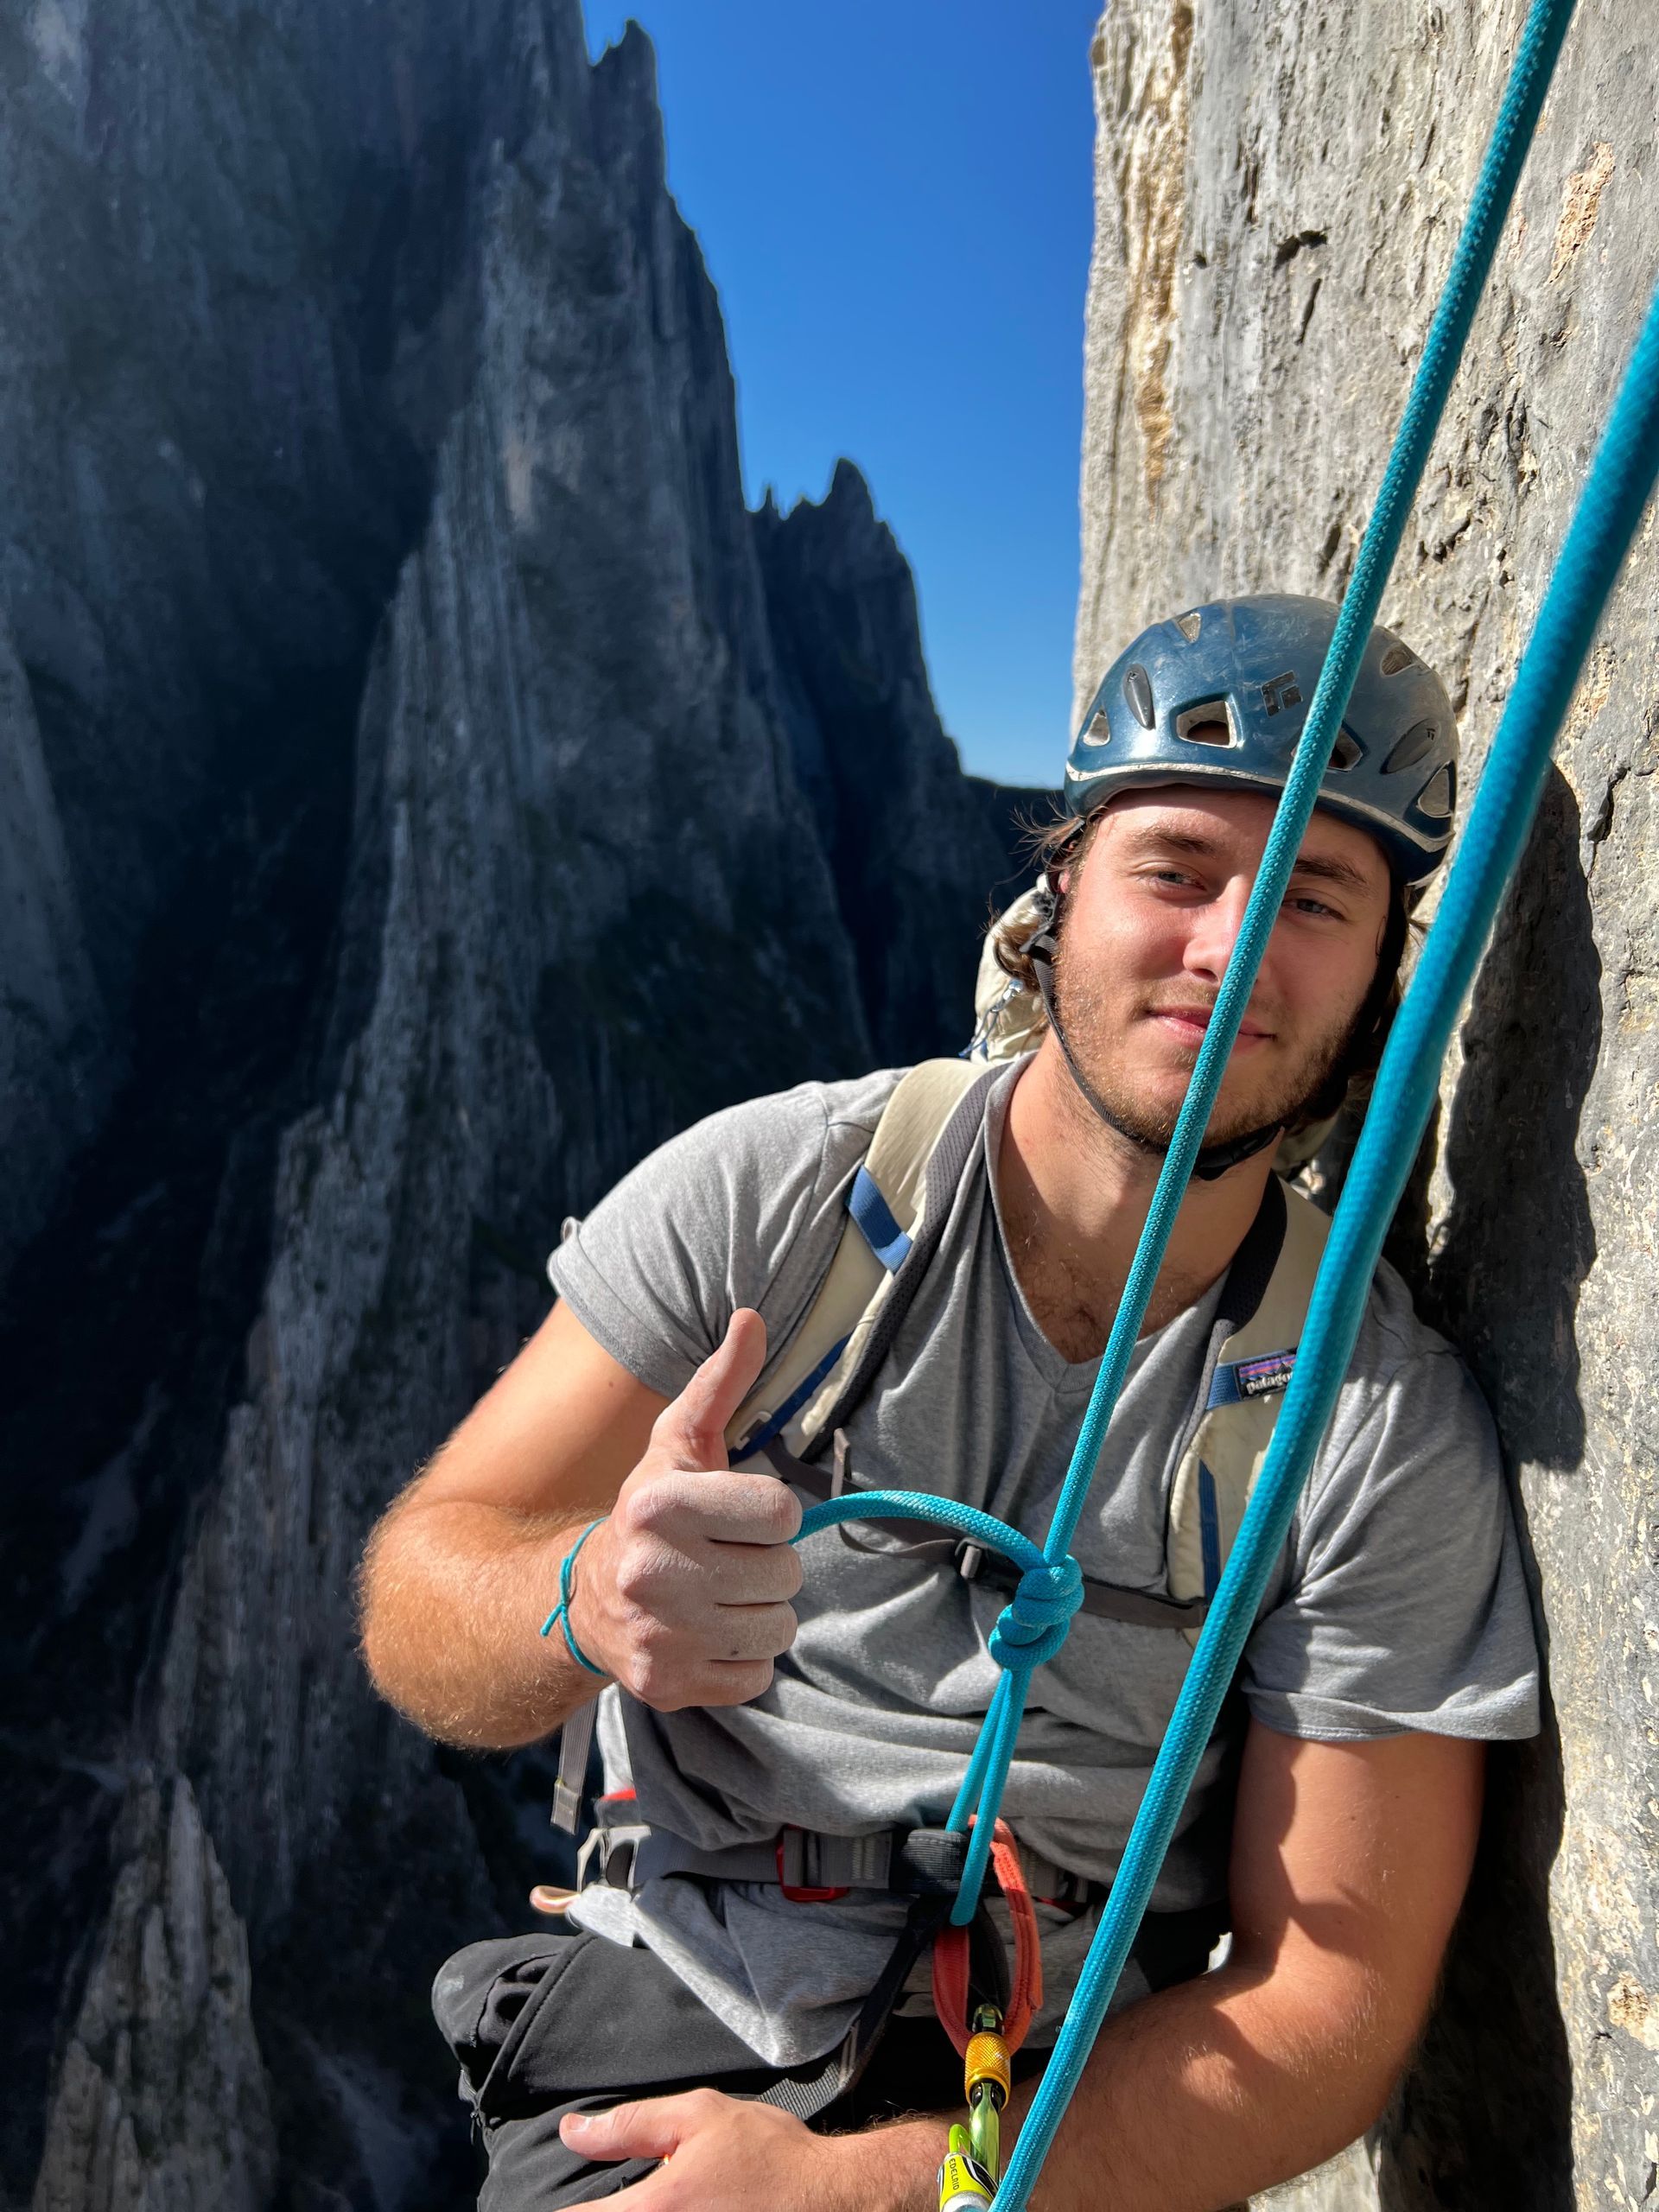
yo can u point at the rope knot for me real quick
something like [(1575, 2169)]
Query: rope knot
[(1032, 1626)]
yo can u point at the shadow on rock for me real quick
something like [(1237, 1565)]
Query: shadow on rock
[(1484, 2116), (1519, 1240)]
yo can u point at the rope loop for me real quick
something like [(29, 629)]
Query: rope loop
[(1034, 1624)]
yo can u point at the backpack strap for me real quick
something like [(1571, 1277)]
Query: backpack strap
[(897, 1206), (1253, 1353)]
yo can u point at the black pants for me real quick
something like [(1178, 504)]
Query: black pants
[(565, 2021)]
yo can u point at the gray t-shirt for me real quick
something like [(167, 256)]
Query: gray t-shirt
[(1398, 1603)]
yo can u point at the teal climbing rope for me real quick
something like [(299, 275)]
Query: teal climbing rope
[(1609, 513)]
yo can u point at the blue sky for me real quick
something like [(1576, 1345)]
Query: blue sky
[(895, 202)]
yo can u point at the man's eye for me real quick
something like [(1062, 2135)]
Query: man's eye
[(1306, 905)]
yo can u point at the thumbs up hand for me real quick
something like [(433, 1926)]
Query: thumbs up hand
[(684, 1593)]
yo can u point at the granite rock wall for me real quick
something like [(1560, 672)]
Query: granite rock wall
[(1278, 188)]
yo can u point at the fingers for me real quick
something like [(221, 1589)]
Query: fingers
[(680, 1581), (727, 1681), (682, 1507), (748, 1632), (691, 1432), (652, 2127), (725, 1660)]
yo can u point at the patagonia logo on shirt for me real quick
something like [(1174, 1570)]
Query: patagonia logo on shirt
[(1256, 1377)]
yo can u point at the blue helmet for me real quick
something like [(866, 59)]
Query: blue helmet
[(1248, 667)]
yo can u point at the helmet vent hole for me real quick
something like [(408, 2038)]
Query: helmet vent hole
[(1396, 657), (1347, 751), (1190, 624), (1416, 745), (1438, 797), (1097, 730), (1210, 724)]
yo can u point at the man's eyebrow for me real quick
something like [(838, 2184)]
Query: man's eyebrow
[(1150, 838), (1326, 867), (1329, 869)]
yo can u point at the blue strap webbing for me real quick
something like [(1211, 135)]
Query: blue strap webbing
[(1208, 1529), (777, 1423), (873, 1217)]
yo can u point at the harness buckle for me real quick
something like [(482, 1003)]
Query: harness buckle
[(789, 1852), (607, 1858)]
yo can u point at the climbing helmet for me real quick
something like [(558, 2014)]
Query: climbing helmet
[(1218, 696)]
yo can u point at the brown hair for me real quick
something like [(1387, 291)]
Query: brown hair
[(1064, 840)]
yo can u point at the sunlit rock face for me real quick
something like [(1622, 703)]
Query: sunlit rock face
[(1279, 190), (427, 786)]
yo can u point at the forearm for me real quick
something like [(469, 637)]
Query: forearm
[(1218, 2087), (453, 1595), (1192, 2100)]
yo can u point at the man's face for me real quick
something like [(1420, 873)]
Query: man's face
[(1150, 919)]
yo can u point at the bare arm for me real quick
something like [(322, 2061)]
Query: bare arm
[(1349, 1865), (1349, 1862), (683, 1594)]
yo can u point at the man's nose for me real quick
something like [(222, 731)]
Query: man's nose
[(1216, 925)]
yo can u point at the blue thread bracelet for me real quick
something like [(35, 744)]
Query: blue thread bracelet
[(561, 1613)]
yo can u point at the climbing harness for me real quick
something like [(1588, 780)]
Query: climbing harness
[(1049, 1588)]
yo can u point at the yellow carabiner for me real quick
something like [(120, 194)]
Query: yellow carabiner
[(964, 2185), (987, 2078)]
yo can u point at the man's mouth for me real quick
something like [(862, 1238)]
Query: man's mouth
[(1190, 1022)]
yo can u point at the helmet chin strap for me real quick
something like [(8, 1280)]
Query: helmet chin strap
[(1214, 1160)]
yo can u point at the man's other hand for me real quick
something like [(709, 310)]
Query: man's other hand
[(726, 2154), (684, 1592)]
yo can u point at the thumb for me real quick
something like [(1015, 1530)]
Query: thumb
[(692, 1431), (654, 2127)]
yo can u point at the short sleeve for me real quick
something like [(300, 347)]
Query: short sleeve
[(1404, 1605), (744, 1209)]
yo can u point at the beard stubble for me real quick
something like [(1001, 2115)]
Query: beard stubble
[(1087, 1011)]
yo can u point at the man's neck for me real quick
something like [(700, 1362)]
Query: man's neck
[(1074, 1193)]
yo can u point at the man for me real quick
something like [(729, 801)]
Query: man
[(836, 1689)]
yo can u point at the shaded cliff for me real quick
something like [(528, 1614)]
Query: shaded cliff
[(234, 283), (1278, 194), (914, 849), (436, 787)]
